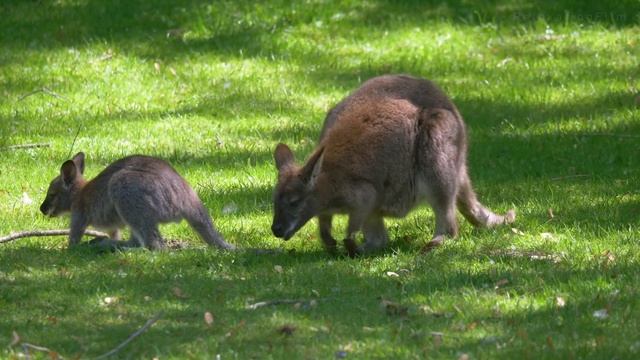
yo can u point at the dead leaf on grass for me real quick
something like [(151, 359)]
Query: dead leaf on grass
[(287, 329), (15, 339), (178, 293), (177, 33), (601, 314), (550, 343), (608, 258), (208, 318), (26, 199), (234, 329), (393, 308), (501, 283), (341, 354), (437, 338), (109, 301)]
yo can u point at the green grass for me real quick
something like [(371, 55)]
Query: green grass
[(550, 93)]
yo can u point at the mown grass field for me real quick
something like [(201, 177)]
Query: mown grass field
[(551, 95)]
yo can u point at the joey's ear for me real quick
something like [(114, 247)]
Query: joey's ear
[(283, 156), (78, 159), (311, 169), (68, 172)]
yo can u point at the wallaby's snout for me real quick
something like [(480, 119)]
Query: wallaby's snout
[(278, 230), (44, 208), (282, 227)]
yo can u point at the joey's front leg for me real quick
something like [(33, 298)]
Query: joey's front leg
[(324, 223), (115, 234), (78, 226)]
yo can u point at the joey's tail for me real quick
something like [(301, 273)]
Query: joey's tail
[(474, 211), (203, 225)]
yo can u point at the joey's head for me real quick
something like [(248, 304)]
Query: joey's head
[(63, 188), (294, 200)]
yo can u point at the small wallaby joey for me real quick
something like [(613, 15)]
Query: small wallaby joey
[(394, 143), (136, 191)]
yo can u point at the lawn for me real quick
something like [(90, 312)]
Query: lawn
[(550, 92)]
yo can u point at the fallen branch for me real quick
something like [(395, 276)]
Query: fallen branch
[(26, 146), (23, 234), (131, 337), (279, 302)]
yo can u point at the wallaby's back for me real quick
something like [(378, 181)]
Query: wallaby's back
[(421, 93)]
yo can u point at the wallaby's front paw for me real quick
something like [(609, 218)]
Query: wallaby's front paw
[(332, 249), (351, 246), (431, 245), (104, 243), (510, 216)]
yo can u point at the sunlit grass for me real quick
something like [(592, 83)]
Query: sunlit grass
[(549, 91)]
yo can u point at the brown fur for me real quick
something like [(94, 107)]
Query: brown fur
[(392, 144), (137, 191)]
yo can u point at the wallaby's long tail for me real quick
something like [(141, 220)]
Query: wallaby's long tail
[(203, 225), (474, 211)]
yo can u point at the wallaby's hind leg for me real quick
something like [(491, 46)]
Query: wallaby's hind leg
[(375, 235), (110, 244), (325, 223), (147, 234), (446, 223), (474, 211), (201, 222), (442, 198)]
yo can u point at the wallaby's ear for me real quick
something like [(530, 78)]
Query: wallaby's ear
[(78, 159), (68, 172), (311, 169), (283, 156)]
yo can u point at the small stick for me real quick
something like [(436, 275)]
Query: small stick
[(27, 346), (23, 234), (74, 141), (276, 302), (569, 177), (36, 347), (611, 134), (41, 90), (131, 337), (26, 146)]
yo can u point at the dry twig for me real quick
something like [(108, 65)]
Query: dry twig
[(278, 302), (131, 337), (26, 146), (570, 177), (23, 234), (52, 354), (41, 90)]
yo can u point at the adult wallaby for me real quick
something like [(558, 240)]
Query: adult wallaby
[(137, 191), (395, 142)]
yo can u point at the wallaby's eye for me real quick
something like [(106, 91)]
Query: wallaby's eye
[(294, 201)]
